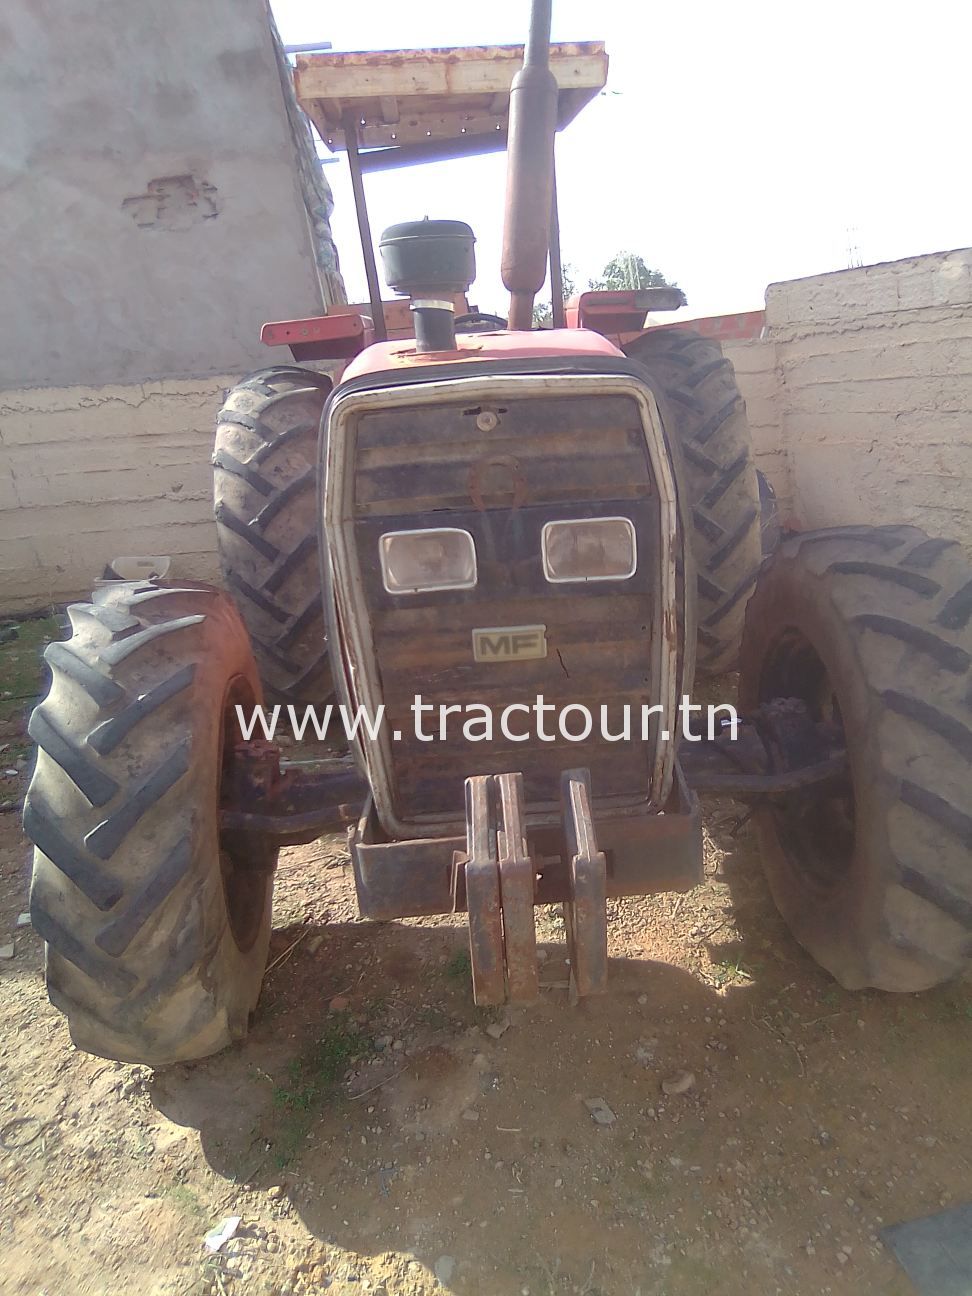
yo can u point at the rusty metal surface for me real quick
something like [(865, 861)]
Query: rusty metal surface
[(540, 458), (530, 171), (517, 887), (778, 748), (287, 808), (482, 881), (612, 312), (495, 881), (320, 337), (416, 878), (585, 912), (349, 120)]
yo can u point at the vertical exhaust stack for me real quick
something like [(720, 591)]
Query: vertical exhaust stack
[(530, 171)]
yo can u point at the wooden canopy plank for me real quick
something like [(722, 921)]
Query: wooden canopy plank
[(439, 94)]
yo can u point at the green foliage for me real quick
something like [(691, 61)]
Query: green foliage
[(731, 971), (542, 311), (313, 1075), (628, 270), (21, 667), (459, 967), (186, 1199), (311, 1080)]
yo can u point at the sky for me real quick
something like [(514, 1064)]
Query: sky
[(737, 143)]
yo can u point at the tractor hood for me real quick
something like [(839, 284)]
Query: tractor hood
[(571, 344)]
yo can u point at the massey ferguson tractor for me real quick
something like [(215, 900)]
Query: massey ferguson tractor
[(488, 514)]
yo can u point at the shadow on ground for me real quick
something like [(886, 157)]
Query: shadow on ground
[(811, 1117)]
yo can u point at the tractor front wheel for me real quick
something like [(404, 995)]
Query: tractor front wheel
[(871, 627), (156, 928)]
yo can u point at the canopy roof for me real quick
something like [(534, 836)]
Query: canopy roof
[(434, 97)]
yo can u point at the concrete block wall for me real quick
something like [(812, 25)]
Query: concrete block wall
[(876, 393), (91, 474), (860, 395), (759, 379)]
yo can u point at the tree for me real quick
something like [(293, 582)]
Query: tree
[(542, 312), (628, 270)]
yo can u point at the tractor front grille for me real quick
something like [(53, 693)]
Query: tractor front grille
[(501, 471)]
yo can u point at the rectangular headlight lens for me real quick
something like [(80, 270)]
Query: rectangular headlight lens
[(414, 562), (589, 549)]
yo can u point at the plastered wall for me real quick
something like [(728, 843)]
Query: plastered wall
[(88, 474), (860, 395), (157, 205)]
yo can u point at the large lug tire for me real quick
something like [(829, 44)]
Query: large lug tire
[(723, 503), (873, 628), (267, 508), (156, 931)]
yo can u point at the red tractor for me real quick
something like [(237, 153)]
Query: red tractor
[(506, 521)]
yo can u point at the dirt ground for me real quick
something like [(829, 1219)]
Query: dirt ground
[(377, 1133)]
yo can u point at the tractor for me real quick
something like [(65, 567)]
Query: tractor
[(510, 520)]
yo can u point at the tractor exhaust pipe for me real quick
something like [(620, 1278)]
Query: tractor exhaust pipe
[(530, 170)]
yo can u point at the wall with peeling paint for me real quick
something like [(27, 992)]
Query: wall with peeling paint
[(151, 206)]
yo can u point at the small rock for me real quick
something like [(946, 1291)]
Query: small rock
[(680, 1083), (23, 920), (495, 1029), (558, 1183), (444, 1268), (642, 999), (339, 1004), (470, 1115), (275, 1193), (602, 1113), (398, 1045), (6, 951), (314, 944)]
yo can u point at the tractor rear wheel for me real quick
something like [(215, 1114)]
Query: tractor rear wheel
[(722, 489), (872, 628), (156, 928), (267, 508)]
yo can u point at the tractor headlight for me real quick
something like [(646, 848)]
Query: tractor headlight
[(589, 549), (414, 562)]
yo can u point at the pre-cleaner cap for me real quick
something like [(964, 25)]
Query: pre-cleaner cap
[(422, 258)]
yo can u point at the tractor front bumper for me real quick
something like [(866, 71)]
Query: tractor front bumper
[(502, 868), (645, 853)]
